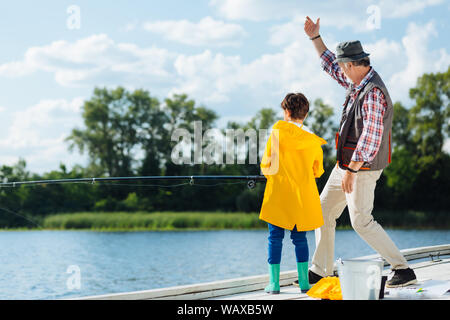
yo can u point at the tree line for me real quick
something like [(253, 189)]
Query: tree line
[(128, 133)]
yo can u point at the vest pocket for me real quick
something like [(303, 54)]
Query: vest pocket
[(348, 145), (347, 152)]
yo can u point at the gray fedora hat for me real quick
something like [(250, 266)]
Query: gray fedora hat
[(349, 51)]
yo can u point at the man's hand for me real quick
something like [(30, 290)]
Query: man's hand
[(349, 177), (311, 28), (348, 182)]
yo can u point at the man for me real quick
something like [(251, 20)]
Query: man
[(363, 146)]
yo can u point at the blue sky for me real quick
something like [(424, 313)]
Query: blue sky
[(233, 56)]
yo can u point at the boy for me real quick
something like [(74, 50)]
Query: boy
[(293, 158)]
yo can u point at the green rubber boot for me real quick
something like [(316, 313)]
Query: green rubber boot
[(303, 282), (274, 279)]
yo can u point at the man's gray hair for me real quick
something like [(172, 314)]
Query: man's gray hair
[(365, 62)]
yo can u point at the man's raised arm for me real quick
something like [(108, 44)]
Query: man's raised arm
[(326, 56), (312, 31)]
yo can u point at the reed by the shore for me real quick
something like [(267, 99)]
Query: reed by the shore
[(156, 221), (153, 221)]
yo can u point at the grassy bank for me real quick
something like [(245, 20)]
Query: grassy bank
[(153, 221), (134, 221)]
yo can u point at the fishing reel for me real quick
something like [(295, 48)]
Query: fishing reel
[(251, 184)]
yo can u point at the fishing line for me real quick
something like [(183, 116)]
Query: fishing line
[(132, 185), (42, 184), (250, 180), (142, 185), (171, 186), (218, 184), (19, 215)]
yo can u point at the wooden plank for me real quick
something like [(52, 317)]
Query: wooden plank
[(196, 291), (259, 285), (213, 293), (433, 270), (425, 270), (256, 284), (418, 253), (429, 270), (287, 293)]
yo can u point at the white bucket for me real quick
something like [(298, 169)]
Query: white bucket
[(360, 279)]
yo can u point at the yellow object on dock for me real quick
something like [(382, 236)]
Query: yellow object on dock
[(326, 288)]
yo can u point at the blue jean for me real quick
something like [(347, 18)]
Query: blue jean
[(276, 236)]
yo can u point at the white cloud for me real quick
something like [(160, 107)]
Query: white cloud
[(288, 32), (403, 9), (206, 75), (338, 14), (16, 69), (129, 26), (399, 63), (418, 57), (207, 32), (37, 134), (262, 82), (38, 125), (294, 69), (217, 79), (95, 60), (291, 31), (259, 10), (255, 10), (386, 56)]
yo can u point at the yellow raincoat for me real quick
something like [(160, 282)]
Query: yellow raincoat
[(291, 197)]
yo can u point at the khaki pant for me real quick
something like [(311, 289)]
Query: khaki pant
[(360, 204)]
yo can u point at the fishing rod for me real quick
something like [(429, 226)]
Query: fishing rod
[(251, 183), (251, 179)]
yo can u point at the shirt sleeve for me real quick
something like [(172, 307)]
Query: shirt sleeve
[(332, 68), (369, 142)]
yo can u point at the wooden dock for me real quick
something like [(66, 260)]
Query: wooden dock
[(434, 265)]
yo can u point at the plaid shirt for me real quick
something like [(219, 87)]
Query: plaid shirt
[(373, 109)]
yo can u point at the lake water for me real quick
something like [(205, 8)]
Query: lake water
[(68, 264)]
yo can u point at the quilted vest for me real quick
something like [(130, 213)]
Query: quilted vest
[(351, 127)]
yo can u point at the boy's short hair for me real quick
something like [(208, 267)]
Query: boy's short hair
[(297, 104)]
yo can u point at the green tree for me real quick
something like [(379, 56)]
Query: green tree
[(401, 129), (264, 119), (152, 136), (118, 124), (321, 121), (11, 199), (182, 113), (431, 112), (395, 186), (429, 122), (419, 172), (323, 125), (110, 133), (249, 200)]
